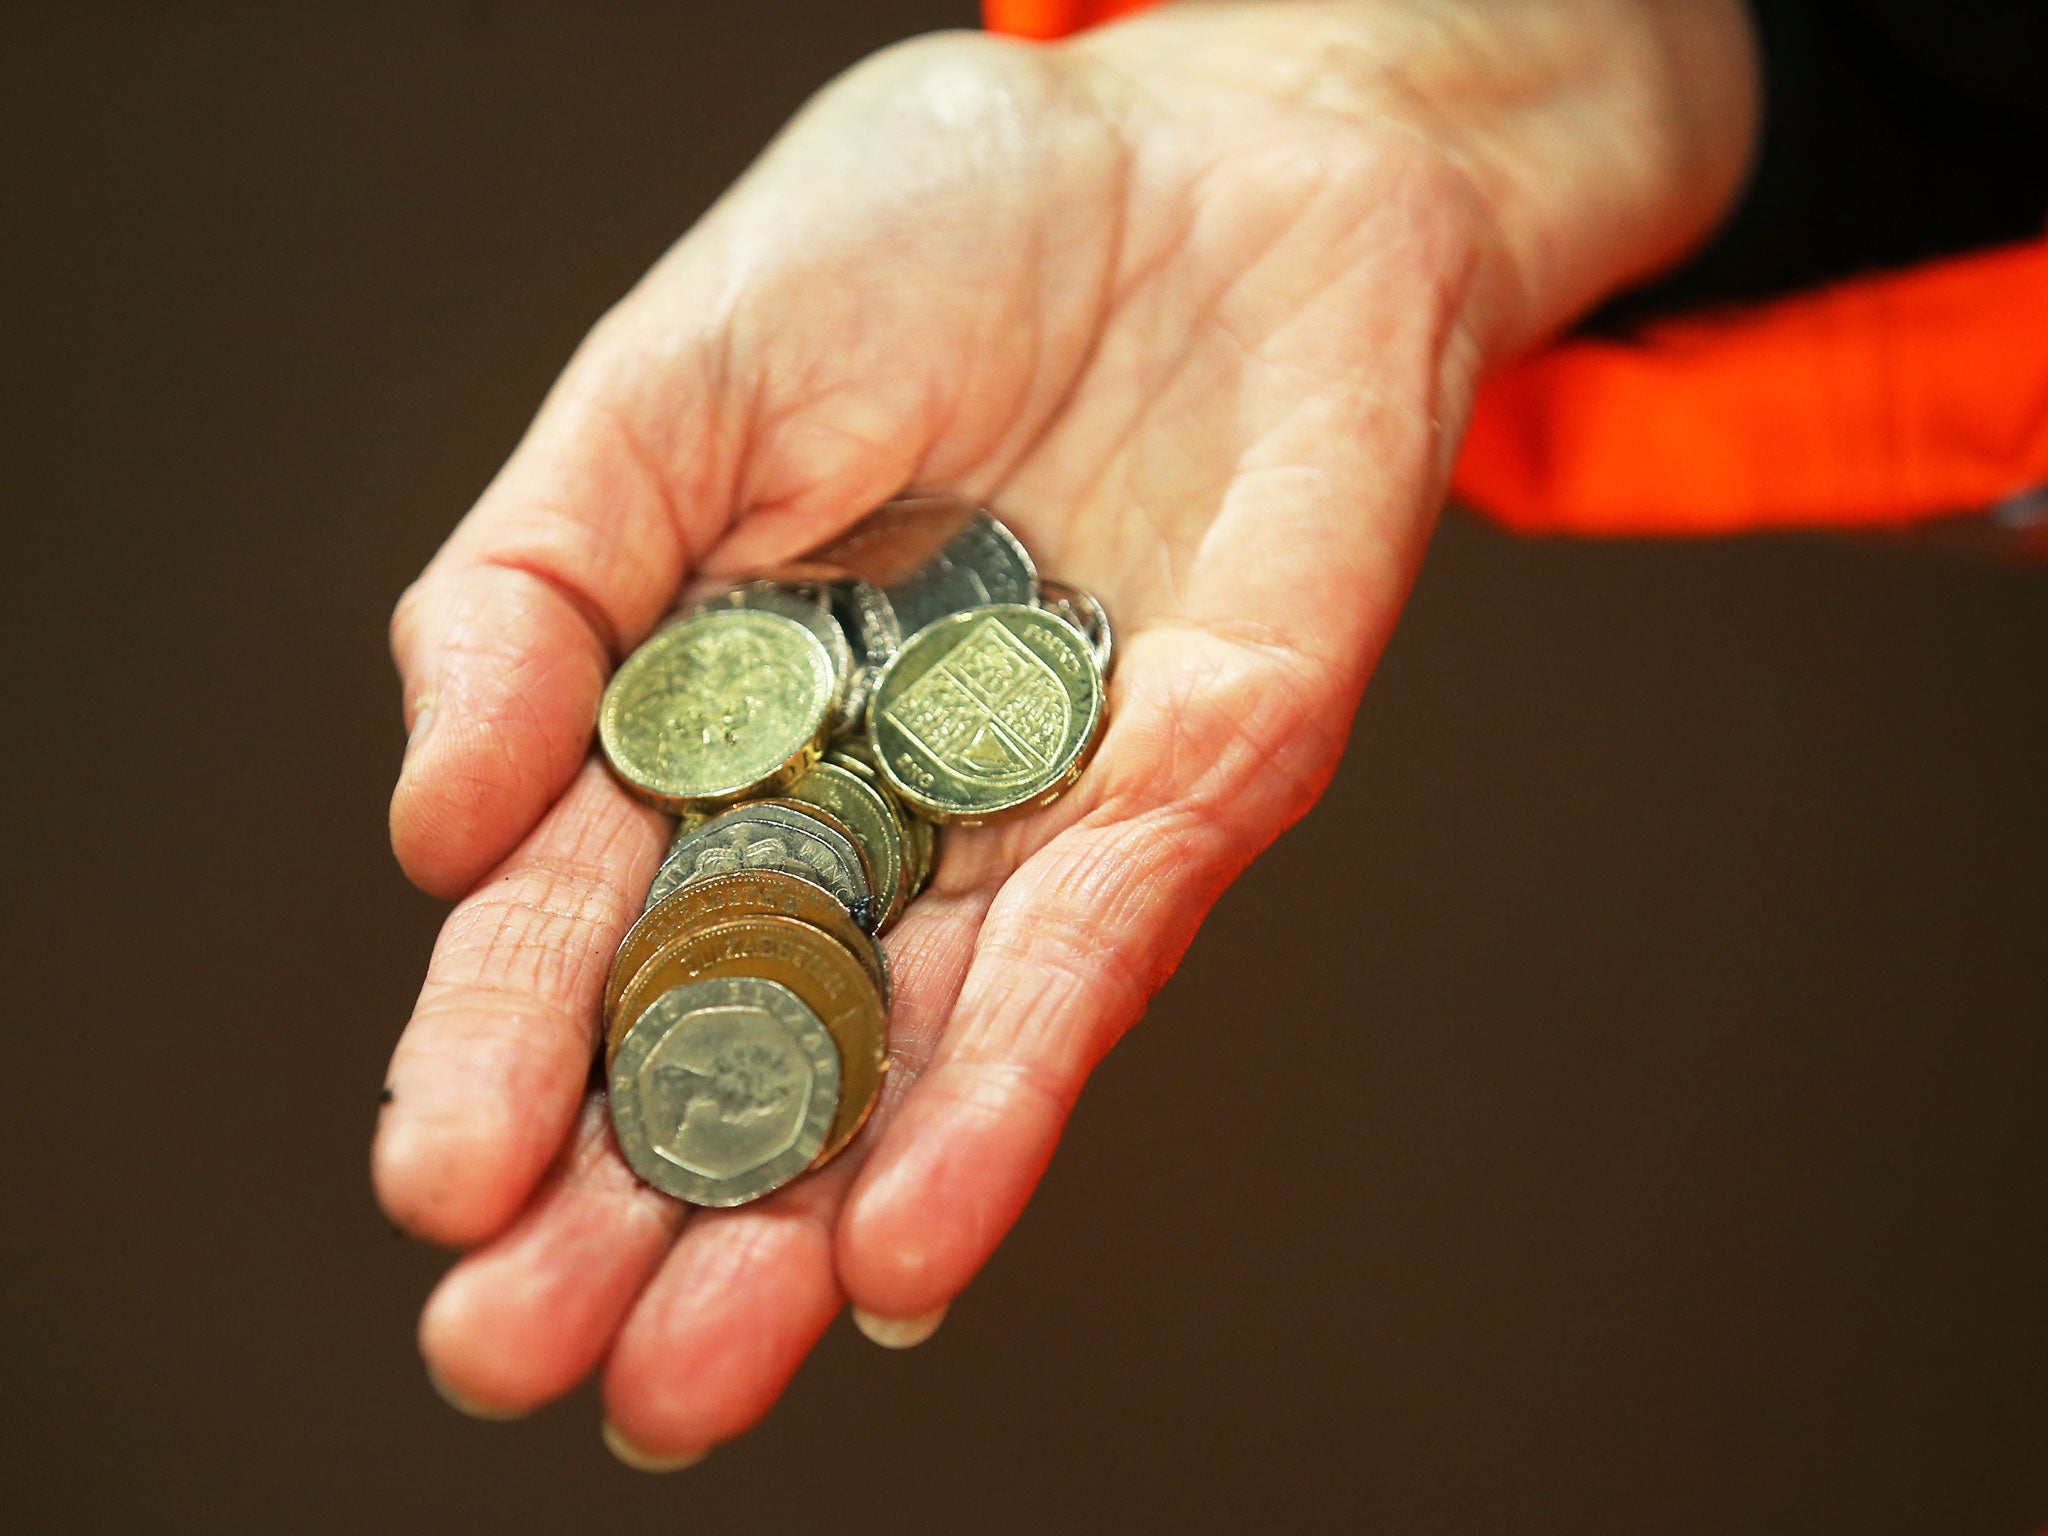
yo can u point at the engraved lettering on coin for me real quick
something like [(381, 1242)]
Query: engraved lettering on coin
[(987, 712), (748, 893), (772, 835), (819, 971)]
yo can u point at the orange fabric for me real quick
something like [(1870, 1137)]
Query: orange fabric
[(1878, 400), (1054, 18)]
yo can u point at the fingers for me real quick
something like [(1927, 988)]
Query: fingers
[(745, 1293), (524, 1319), (1214, 752), (504, 643), (487, 1077)]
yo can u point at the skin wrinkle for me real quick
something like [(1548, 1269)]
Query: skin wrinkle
[(1282, 725), (1105, 297), (604, 635), (709, 1277), (496, 1046), (986, 1089), (1181, 779), (1220, 321), (583, 1219), (519, 684), (1124, 292), (478, 756), (1023, 1010), (501, 946)]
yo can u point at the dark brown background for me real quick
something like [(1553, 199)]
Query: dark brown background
[(1619, 1108)]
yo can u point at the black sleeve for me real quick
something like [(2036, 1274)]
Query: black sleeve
[(1894, 131)]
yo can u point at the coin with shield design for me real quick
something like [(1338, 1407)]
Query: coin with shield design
[(987, 713)]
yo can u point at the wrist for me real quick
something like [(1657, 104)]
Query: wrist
[(1599, 140)]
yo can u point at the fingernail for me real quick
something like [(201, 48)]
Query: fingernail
[(646, 1461), (422, 723), (462, 1403), (899, 1332)]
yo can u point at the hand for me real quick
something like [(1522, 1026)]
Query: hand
[(1198, 303)]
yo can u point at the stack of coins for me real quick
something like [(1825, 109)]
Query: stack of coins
[(809, 727)]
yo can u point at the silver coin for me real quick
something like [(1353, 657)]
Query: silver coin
[(689, 822), (931, 556), (895, 541), (1085, 612), (724, 1089), (869, 619), (778, 835), (983, 564)]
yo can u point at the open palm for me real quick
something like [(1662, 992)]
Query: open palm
[(1205, 342)]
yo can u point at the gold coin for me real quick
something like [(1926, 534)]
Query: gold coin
[(745, 893), (919, 835), (924, 852), (823, 974), (860, 806), (720, 705), (920, 850), (987, 712)]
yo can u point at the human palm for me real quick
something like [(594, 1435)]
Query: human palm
[(1204, 339)]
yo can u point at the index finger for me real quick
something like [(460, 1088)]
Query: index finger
[(505, 641)]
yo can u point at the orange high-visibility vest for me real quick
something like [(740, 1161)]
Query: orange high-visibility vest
[(1874, 400)]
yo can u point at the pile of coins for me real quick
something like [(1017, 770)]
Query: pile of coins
[(809, 727)]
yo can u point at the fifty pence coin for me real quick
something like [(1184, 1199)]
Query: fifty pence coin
[(987, 712), (725, 1090), (781, 835), (824, 974), (745, 893), (722, 704)]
